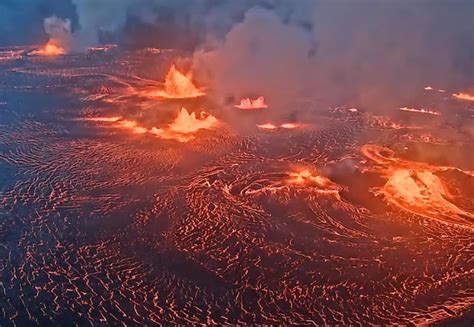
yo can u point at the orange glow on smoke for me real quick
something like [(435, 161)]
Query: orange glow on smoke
[(52, 48), (179, 85), (464, 96), (249, 104), (421, 111)]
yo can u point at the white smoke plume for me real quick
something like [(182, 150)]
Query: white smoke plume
[(262, 55), (369, 54)]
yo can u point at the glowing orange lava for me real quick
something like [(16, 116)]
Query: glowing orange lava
[(52, 48), (267, 126), (249, 104), (464, 96), (312, 181), (270, 126), (132, 125), (421, 111), (185, 124), (182, 129), (307, 177), (178, 85), (415, 187)]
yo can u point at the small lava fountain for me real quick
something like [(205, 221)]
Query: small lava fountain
[(249, 104), (52, 48)]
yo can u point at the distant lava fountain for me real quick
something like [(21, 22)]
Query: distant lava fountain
[(185, 124), (270, 126), (178, 85), (249, 104), (464, 96), (52, 48)]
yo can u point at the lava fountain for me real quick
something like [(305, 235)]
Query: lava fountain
[(249, 104), (179, 85), (52, 48), (185, 125)]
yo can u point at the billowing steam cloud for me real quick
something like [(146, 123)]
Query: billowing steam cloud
[(59, 31), (372, 54), (99, 17), (262, 55)]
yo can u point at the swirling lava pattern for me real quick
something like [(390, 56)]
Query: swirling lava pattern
[(100, 226)]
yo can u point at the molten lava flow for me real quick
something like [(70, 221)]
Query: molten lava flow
[(464, 96), (52, 48), (249, 104), (185, 124), (178, 85), (421, 111)]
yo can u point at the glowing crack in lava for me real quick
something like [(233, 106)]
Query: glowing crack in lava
[(415, 187), (52, 48), (249, 104), (421, 111), (179, 85), (463, 96), (185, 124)]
